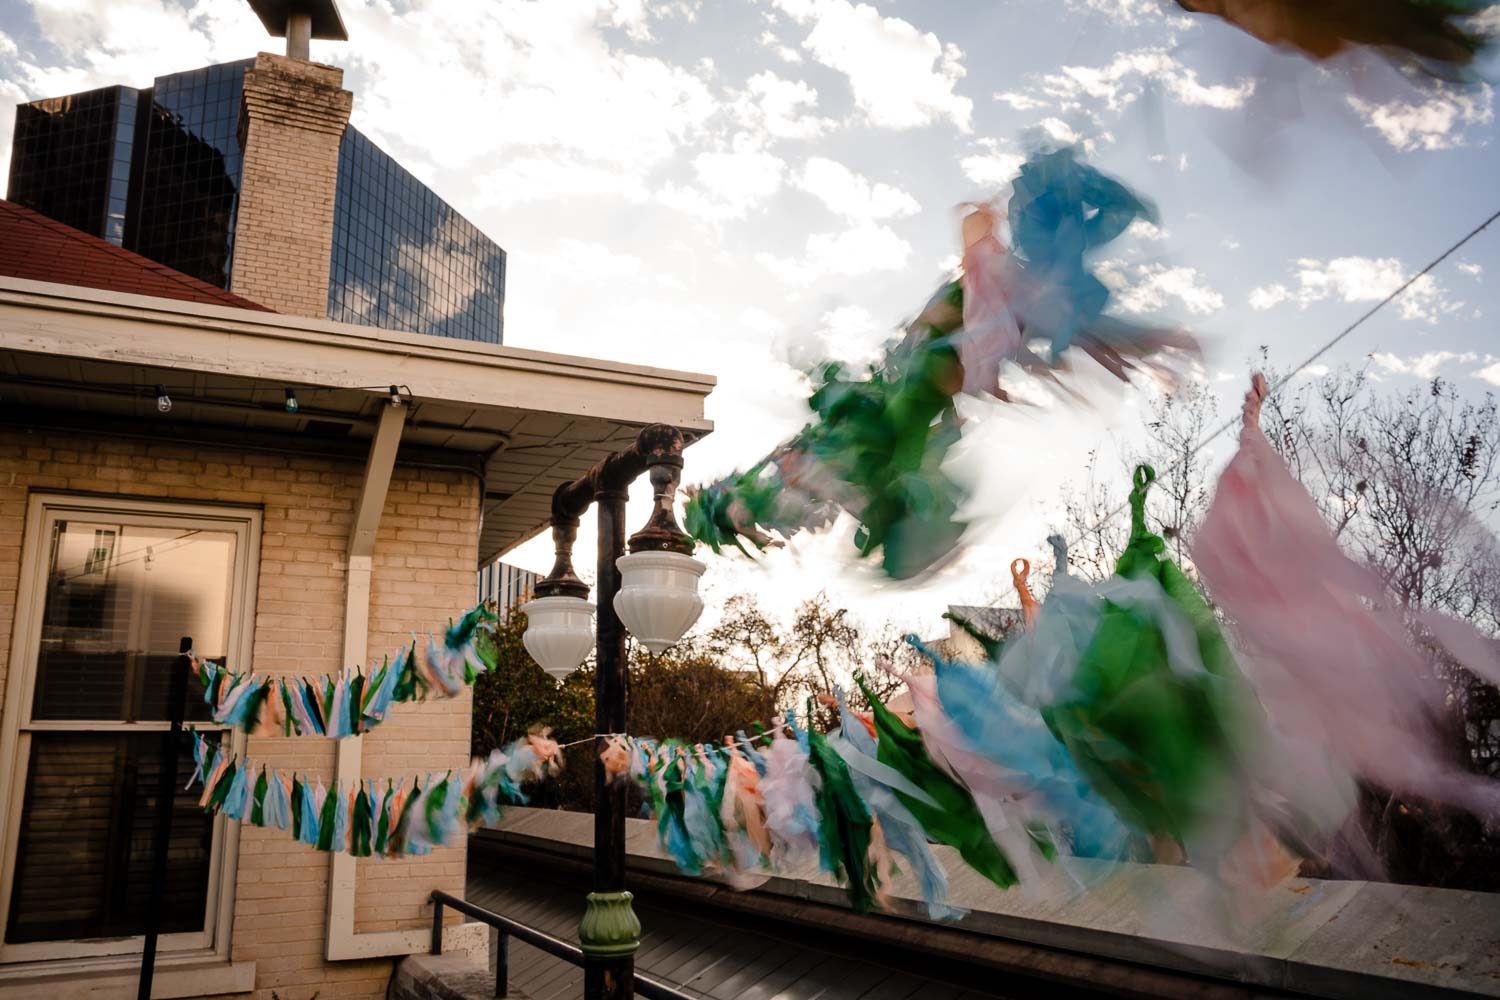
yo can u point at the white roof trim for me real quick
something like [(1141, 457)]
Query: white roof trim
[(99, 325)]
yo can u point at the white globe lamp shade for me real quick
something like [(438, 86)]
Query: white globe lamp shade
[(559, 633), (658, 599)]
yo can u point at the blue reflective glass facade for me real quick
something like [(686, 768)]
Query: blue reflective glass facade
[(158, 171), (187, 187), (71, 159), (403, 258)]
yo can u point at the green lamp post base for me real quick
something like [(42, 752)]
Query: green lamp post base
[(609, 928)]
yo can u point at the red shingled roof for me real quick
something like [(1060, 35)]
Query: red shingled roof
[(35, 247)]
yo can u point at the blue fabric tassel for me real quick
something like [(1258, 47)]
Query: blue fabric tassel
[(238, 799), (311, 809), (277, 808), (1014, 736), (903, 834)]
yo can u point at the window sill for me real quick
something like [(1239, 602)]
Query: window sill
[(96, 980)]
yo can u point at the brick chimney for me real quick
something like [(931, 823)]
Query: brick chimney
[(294, 115)]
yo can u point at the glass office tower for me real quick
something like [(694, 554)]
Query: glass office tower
[(158, 171), (186, 190), (72, 159), (403, 258)]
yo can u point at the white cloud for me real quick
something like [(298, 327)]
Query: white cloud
[(866, 248), (1358, 279), (1312, 371), (558, 92), (852, 195), (1118, 83), (1148, 288), (103, 42), (1060, 131), (1438, 122), (1020, 102), (902, 77), (780, 108), (631, 15), (1424, 366), (531, 179), (571, 111), (1474, 271), (1269, 296), (571, 258), (10, 96), (1229, 243), (1489, 373), (851, 334), (1122, 11), (991, 168), (785, 52), (1141, 229), (729, 183)]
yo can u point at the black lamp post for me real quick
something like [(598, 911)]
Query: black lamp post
[(610, 933)]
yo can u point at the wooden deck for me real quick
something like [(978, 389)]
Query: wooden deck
[(700, 955)]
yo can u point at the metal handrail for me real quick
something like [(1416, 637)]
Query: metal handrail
[(556, 947)]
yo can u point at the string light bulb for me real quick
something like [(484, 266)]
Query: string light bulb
[(291, 401), (163, 401)]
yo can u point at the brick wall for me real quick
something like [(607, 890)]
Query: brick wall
[(423, 573), (294, 116)]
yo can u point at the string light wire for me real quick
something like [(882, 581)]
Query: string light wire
[(750, 742)]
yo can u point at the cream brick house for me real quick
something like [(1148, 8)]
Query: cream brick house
[(284, 541)]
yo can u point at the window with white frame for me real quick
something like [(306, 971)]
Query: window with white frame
[(108, 590)]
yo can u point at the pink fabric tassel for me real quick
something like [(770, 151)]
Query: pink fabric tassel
[(990, 336), (1327, 648), (214, 775), (997, 792), (743, 815)]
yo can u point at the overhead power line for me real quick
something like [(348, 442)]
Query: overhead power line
[(1281, 382)]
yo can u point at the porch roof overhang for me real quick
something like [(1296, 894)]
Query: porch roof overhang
[(524, 421)]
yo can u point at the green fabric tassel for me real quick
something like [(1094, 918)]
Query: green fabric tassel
[(407, 681), (315, 704), (258, 799), (383, 826), (845, 831), (401, 824), (1043, 839), (296, 807), (287, 718), (486, 648), (327, 817), (992, 647), (356, 703), (1158, 745), (257, 699), (468, 630), (956, 821), (359, 824), (877, 443), (433, 808), (221, 788), (671, 819)]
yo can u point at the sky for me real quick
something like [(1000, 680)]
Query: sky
[(741, 187)]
